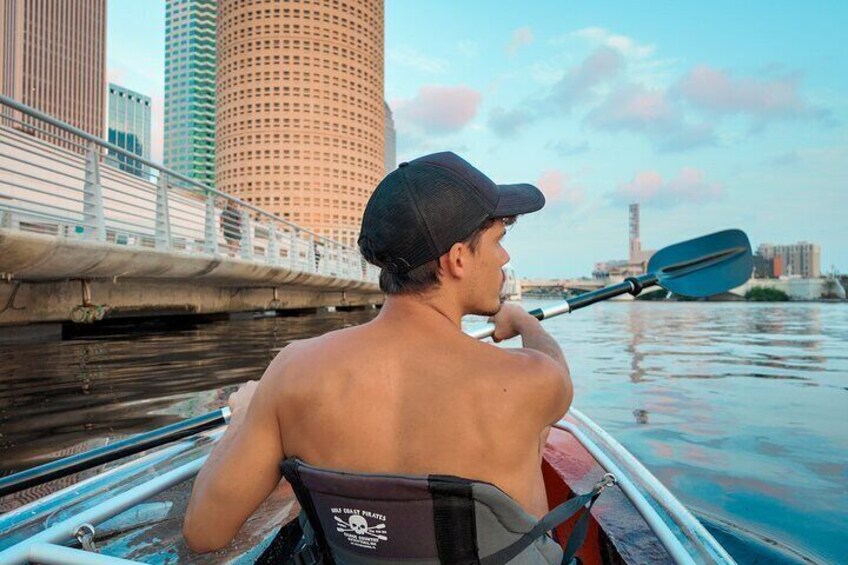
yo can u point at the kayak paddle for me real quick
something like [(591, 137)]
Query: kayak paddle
[(697, 268)]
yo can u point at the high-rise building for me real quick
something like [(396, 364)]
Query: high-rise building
[(53, 58), (189, 145), (301, 118), (391, 141), (799, 259), (129, 127)]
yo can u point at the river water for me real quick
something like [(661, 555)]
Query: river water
[(740, 409)]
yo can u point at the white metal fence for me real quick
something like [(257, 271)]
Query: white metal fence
[(60, 181)]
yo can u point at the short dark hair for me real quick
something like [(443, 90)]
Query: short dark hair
[(426, 277)]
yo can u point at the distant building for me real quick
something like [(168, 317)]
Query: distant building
[(391, 141), (767, 267), (802, 259), (616, 269), (53, 58), (129, 127), (190, 67)]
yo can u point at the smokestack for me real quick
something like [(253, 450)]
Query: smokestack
[(635, 244)]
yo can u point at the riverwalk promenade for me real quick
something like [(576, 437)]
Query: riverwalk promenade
[(82, 238)]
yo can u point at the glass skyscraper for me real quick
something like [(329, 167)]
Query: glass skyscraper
[(189, 147), (129, 128)]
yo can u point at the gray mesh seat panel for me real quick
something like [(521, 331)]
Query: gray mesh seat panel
[(501, 521), (374, 519)]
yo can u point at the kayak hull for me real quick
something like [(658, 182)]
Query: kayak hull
[(151, 531)]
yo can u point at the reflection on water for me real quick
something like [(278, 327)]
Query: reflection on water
[(63, 397), (738, 408)]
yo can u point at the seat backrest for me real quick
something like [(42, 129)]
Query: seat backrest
[(376, 518)]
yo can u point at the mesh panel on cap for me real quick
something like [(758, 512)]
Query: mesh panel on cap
[(466, 171), (451, 213), (392, 233)]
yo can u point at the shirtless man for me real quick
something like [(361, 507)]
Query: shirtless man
[(408, 392)]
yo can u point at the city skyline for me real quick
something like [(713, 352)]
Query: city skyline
[(704, 122)]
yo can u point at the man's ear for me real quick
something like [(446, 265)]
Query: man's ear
[(454, 263)]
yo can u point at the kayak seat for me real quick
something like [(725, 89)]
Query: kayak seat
[(365, 519)]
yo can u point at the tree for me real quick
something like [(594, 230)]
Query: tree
[(765, 294)]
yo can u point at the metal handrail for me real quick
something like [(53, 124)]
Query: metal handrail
[(168, 206)]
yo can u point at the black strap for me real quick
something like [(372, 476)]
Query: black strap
[(290, 469), (454, 519), (578, 533), (550, 521)]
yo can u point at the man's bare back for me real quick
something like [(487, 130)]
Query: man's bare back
[(421, 398), (409, 392)]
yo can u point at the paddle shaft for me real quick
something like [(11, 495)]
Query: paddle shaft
[(631, 285), (135, 444)]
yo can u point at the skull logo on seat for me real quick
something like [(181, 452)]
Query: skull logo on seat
[(359, 524)]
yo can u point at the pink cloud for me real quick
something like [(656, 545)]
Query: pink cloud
[(717, 91), (689, 186), (520, 37), (439, 109), (645, 186), (603, 65), (559, 187), (633, 108)]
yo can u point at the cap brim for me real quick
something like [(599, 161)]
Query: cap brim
[(518, 199)]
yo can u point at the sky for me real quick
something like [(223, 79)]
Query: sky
[(710, 115)]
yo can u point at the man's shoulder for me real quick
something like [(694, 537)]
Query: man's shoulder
[(515, 360), (312, 351)]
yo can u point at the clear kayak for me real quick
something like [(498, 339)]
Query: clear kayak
[(133, 511)]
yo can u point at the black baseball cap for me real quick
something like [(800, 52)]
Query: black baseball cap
[(423, 207)]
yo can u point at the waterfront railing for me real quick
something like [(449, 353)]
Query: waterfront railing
[(60, 181)]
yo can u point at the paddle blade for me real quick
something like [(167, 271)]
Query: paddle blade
[(704, 266)]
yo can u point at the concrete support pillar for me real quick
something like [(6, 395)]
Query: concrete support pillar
[(92, 210), (163, 216)]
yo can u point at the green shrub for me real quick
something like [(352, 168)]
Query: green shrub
[(766, 294)]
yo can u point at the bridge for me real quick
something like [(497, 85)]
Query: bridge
[(89, 231), (561, 286)]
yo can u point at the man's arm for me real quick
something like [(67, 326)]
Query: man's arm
[(242, 470), (545, 361)]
